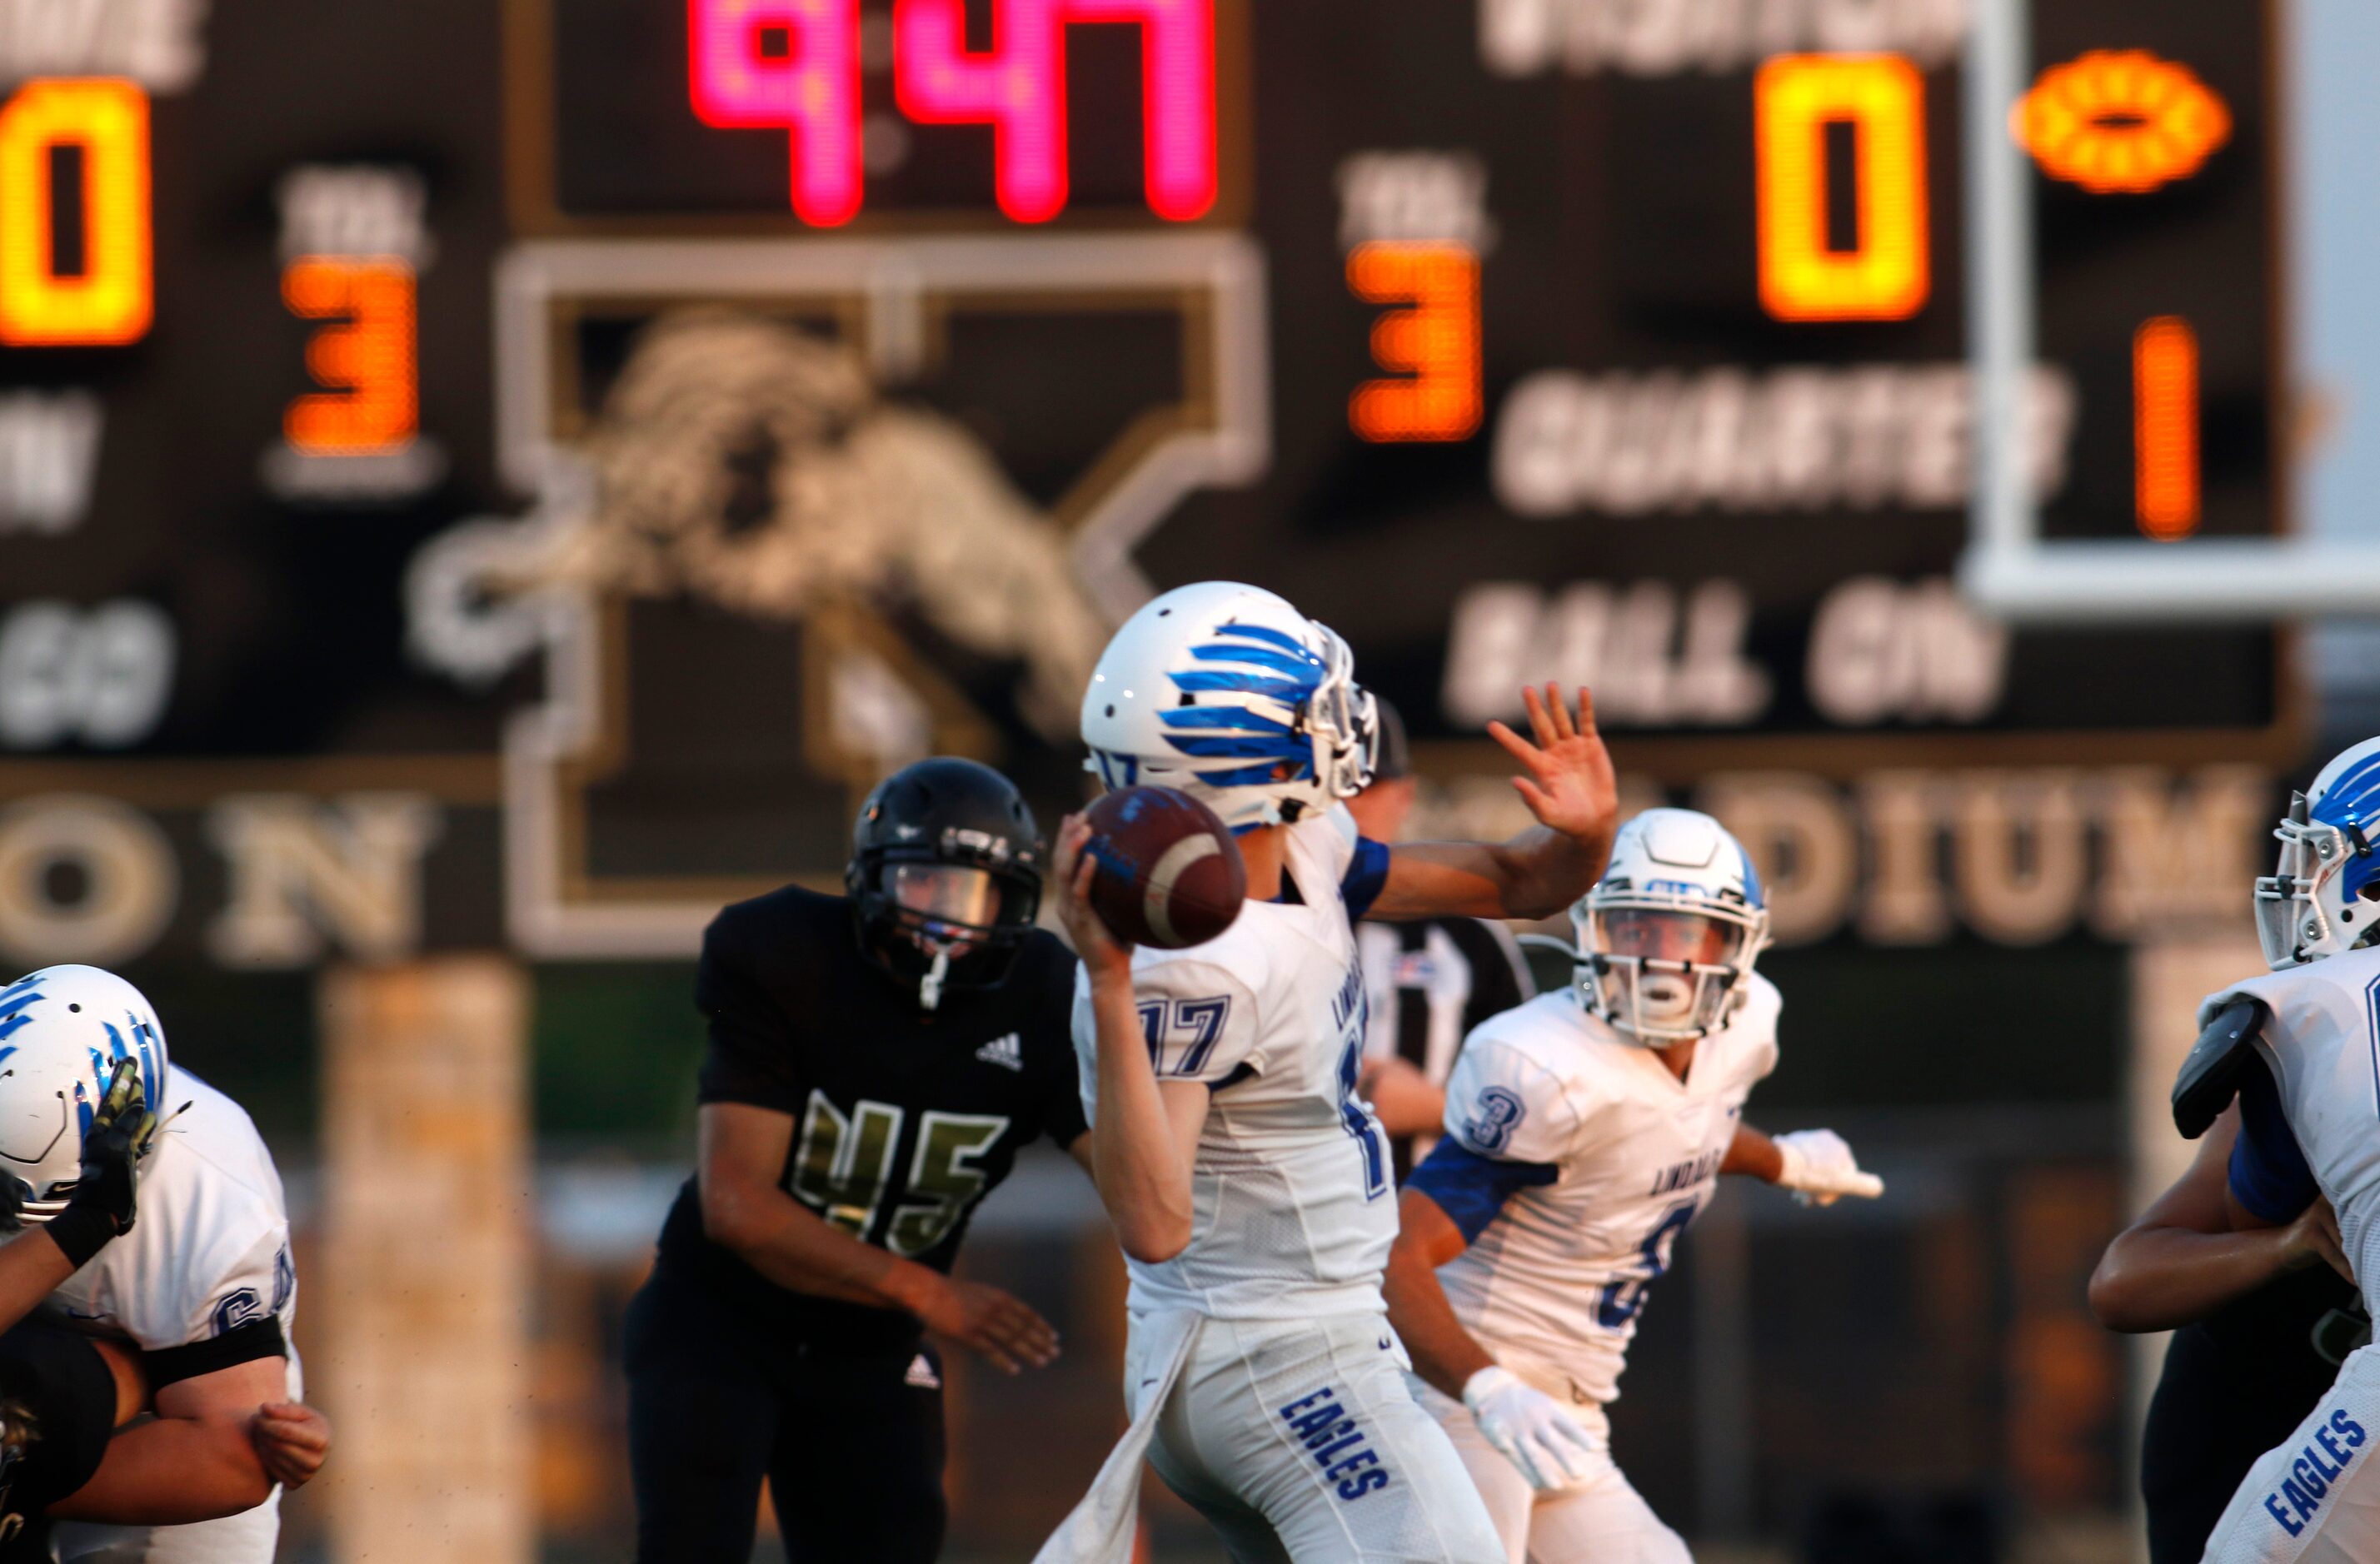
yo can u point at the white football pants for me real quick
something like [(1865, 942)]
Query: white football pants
[(1601, 1520), (2313, 1499), (1300, 1441), (248, 1537)]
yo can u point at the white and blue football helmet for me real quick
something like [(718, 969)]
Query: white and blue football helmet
[(1667, 938), (62, 1030), (1230, 695), (2314, 904)]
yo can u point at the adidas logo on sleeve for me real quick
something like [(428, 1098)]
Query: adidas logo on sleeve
[(1008, 1053)]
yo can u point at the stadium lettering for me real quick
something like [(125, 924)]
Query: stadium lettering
[(1906, 856), (301, 870)]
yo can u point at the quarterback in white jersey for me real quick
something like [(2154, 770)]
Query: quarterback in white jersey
[(1584, 1130), (2301, 1047), (1249, 1184), (202, 1284)]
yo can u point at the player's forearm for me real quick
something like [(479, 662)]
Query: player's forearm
[(1544, 871), (2160, 1279), (1753, 1155), (1537, 874), (170, 1472), (32, 1267), (796, 1248), (1143, 1179), (1443, 1354)]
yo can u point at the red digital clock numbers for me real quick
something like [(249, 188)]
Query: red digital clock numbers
[(796, 64), (811, 88)]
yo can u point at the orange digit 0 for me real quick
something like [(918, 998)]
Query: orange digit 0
[(1884, 276), (110, 298)]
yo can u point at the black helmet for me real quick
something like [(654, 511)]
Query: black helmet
[(952, 812)]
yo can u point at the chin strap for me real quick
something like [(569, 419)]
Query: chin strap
[(930, 988)]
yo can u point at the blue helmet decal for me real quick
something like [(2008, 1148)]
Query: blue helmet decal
[(1752, 891), (14, 1002), (2353, 799), (1273, 666)]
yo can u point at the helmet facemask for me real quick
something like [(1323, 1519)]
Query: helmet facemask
[(1660, 968), (1343, 719), (2302, 910)]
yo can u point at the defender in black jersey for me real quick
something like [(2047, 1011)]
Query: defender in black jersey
[(876, 1061), (2260, 1320)]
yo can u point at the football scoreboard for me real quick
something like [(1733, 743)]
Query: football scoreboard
[(622, 428)]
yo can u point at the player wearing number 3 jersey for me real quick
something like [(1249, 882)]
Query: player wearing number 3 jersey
[(1248, 1182), (1584, 1130)]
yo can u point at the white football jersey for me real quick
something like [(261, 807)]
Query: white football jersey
[(1293, 1212), (1555, 1282), (2323, 1048), (209, 1249)]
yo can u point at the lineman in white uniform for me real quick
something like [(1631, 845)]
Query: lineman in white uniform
[(202, 1283), (1584, 1130), (2304, 1059), (1249, 1184)]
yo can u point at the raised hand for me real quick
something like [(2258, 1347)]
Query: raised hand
[(1568, 784)]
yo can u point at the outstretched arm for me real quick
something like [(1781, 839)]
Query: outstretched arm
[(1145, 1132), (1816, 1165), (1568, 785), (2195, 1249)]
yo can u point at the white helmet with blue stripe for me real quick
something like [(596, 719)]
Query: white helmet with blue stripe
[(1667, 938), (62, 1030), (1230, 695), (2318, 900)]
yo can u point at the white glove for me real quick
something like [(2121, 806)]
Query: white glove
[(1819, 1168), (1529, 1429)]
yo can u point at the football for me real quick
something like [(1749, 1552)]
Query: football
[(1168, 873)]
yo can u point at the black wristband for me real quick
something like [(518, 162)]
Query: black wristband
[(80, 1232)]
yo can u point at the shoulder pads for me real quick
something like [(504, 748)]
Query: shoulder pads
[(2210, 1077)]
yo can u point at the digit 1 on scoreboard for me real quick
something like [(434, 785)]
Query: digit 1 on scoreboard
[(1020, 89), (2164, 428), (792, 64), (104, 296)]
